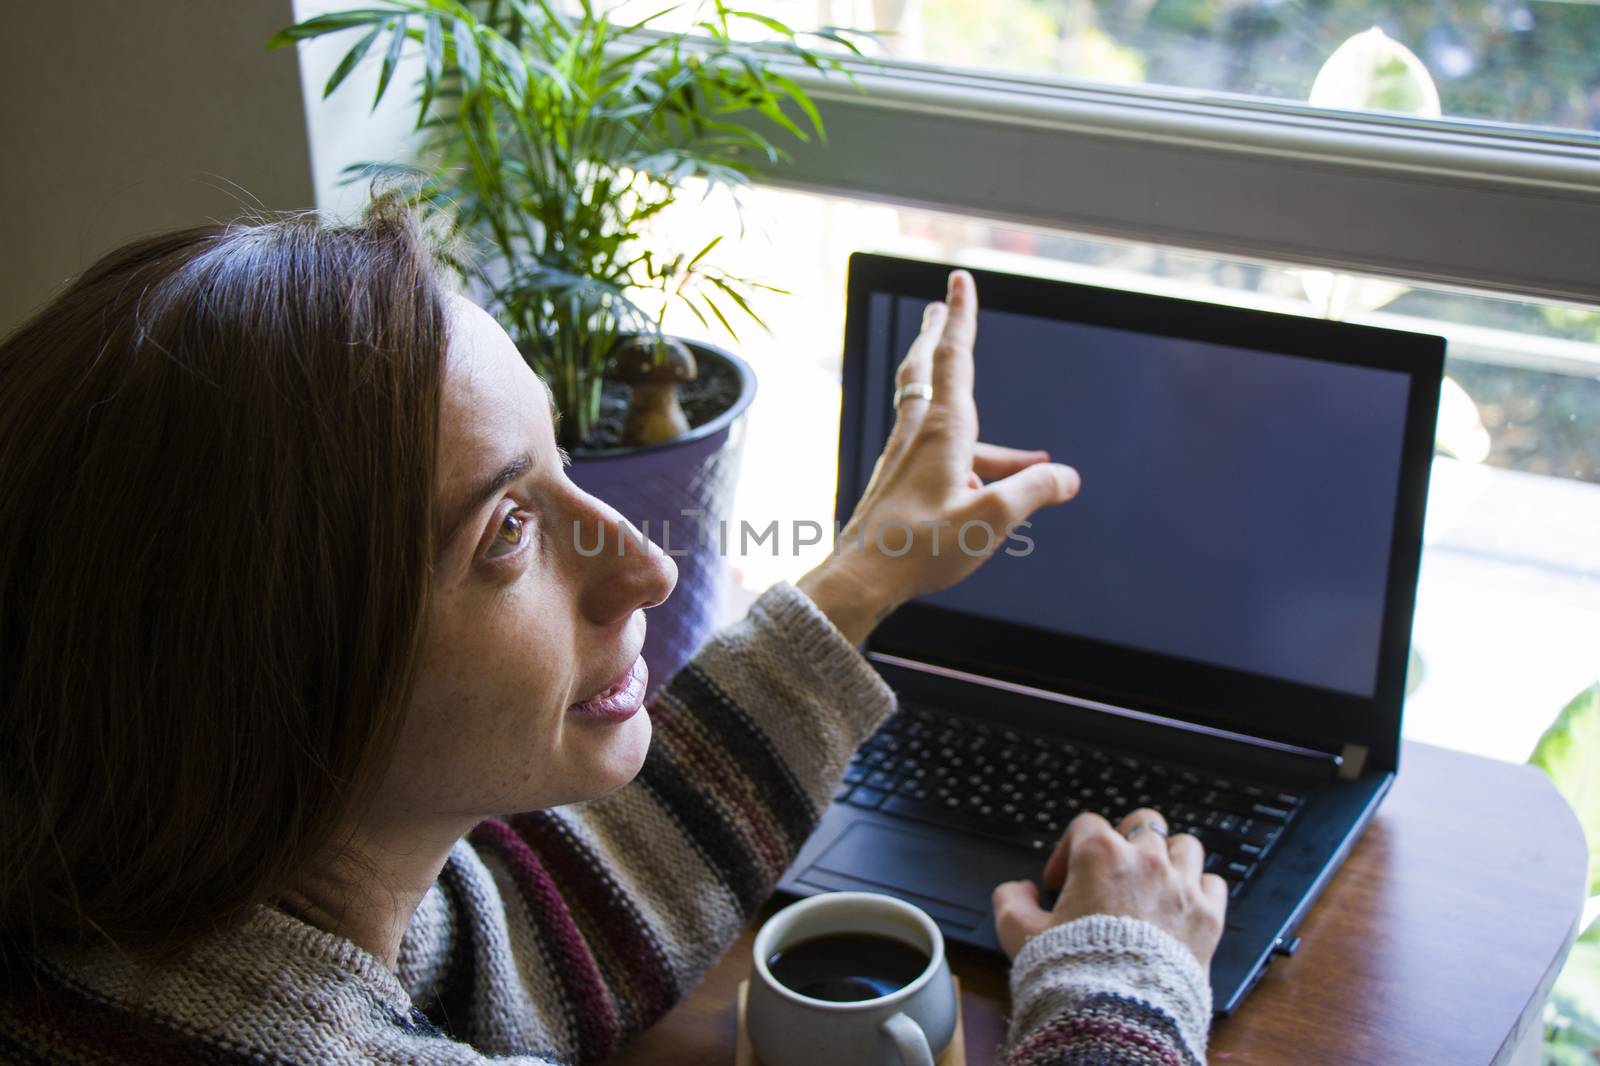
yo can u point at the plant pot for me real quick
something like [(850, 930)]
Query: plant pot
[(653, 487)]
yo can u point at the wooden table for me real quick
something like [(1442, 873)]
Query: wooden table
[(1435, 945)]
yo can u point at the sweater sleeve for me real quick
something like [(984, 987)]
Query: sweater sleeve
[(562, 933), (1108, 989)]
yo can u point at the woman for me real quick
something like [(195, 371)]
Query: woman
[(291, 615)]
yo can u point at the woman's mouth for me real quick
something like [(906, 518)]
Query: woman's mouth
[(620, 700)]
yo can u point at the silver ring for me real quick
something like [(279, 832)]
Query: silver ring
[(1154, 827), (916, 390)]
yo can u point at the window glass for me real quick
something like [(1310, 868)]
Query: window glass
[(1508, 620), (1525, 62)]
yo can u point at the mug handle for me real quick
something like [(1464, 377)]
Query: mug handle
[(909, 1039)]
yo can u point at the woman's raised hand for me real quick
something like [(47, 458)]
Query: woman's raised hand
[(939, 501)]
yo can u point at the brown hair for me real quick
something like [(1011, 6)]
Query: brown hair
[(217, 455)]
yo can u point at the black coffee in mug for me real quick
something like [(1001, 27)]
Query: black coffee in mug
[(846, 967)]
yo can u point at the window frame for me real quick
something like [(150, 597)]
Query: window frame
[(1463, 204)]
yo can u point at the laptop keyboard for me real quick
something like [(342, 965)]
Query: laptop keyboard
[(1010, 784)]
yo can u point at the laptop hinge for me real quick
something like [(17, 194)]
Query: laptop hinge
[(1352, 761), (1122, 712)]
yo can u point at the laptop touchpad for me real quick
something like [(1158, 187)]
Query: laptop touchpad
[(926, 865)]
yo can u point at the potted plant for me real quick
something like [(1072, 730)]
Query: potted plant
[(554, 137)]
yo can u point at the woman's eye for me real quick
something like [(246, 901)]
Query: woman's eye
[(509, 537)]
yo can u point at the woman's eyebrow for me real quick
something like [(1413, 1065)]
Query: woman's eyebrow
[(513, 469)]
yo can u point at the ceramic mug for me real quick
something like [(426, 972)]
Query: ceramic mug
[(910, 1026)]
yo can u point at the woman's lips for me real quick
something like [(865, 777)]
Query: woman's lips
[(621, 700)]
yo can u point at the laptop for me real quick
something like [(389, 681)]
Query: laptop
[(1218, 626)]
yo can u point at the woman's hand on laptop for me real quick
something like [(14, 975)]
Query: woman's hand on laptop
[(939, 501), (1098, 870)]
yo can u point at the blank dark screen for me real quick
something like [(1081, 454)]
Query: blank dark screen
[(1237, 505)]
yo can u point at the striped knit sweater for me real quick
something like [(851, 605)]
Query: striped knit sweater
[(554, 936)]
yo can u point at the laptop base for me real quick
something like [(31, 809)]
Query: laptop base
[(951, 874)]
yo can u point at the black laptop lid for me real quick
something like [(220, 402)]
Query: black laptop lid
[(1244, 551)]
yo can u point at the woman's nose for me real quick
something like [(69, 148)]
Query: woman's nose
[(622, 570)]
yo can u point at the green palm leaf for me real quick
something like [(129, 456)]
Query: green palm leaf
[(555, 139)]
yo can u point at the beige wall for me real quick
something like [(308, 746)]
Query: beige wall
[(119, 119)]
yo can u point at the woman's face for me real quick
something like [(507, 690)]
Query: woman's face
[(523, 626)]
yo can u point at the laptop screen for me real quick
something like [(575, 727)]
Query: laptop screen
[(1244, 551), (1238, 505)]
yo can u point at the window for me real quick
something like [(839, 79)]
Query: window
[(1508, 618), (1441, 174)]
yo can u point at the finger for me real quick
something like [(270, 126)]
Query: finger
[(1152, 835), (1055, 868), (918, 362), (917, 366), (1014, 497), (952, 356), (990, 461), (1216, 890), (1017, 914), (1146, 816), (1187, 856)]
